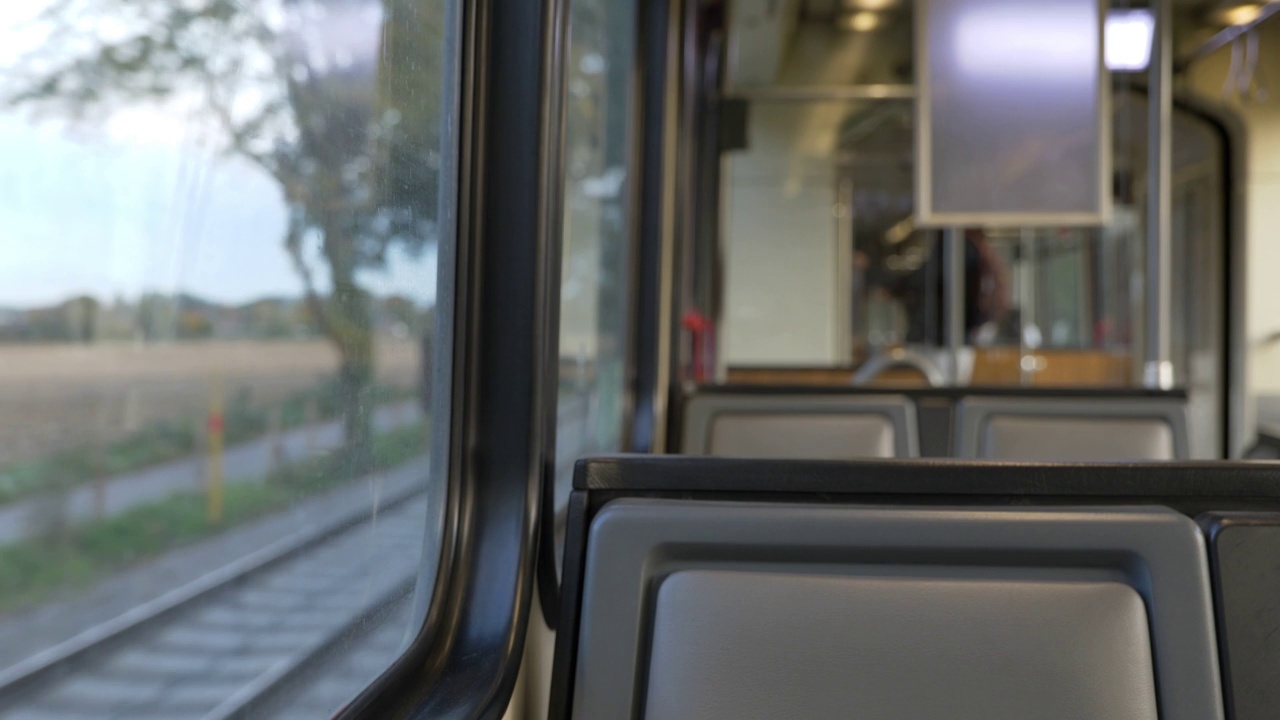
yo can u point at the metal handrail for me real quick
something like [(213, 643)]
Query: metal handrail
[(900, 357)]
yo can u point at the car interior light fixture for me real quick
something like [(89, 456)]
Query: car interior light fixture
[(862, 21), (1242, 14), (1127, 40), (870, 4)]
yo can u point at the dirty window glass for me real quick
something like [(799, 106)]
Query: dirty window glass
[(220, 232)]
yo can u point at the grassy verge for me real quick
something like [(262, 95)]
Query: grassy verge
[(34, 570), (164, 441)]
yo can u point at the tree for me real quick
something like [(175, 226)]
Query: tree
[(158, 316), (81, 315), (193, 324), (346, 125), (400, 310)]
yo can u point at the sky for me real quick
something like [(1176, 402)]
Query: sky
[(143, 202)]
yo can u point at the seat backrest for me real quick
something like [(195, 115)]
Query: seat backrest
[(828, 427), (775, 610), (1071, 429), (738, 645), (742, 589)]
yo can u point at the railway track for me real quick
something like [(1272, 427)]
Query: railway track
[(223, 645), (334, 677), (289, 632)]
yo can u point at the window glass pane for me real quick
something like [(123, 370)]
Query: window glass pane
[(220, 241), (595, 278)]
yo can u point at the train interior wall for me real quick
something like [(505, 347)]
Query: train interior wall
[(782, 263), (1261, 120)]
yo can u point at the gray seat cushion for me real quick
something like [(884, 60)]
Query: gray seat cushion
[(813, 436), (1072, 429), (772, 646), (743, 610), (1009, 437), (817, 427)]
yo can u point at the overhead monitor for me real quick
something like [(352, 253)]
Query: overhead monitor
[(1013, 121)]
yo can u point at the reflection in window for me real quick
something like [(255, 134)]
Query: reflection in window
[(595, 276), (216, 317), (825, 268)]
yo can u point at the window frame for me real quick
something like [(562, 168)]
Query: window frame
[(499, 298), (654, 103), (647, 252)]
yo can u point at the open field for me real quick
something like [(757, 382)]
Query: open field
[(56, 397)]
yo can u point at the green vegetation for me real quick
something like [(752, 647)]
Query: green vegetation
[(34, 570), (245, 421), (164, 441)]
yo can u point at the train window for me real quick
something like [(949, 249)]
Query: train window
[(597, 233), (217, 320)]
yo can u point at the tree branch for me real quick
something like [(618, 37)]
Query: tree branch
[(239, 136), (293, 243)]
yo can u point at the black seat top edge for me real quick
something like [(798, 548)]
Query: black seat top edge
[(953, 393), (685, 473)]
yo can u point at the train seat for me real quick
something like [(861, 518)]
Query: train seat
[(711, 588), (1072, 429), (830, 427)]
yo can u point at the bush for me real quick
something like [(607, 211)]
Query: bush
[(163, 441), (32, 570)]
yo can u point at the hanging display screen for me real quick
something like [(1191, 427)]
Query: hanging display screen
[(1013, 124)]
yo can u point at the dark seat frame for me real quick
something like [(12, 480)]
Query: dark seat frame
[(1237, 506)]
